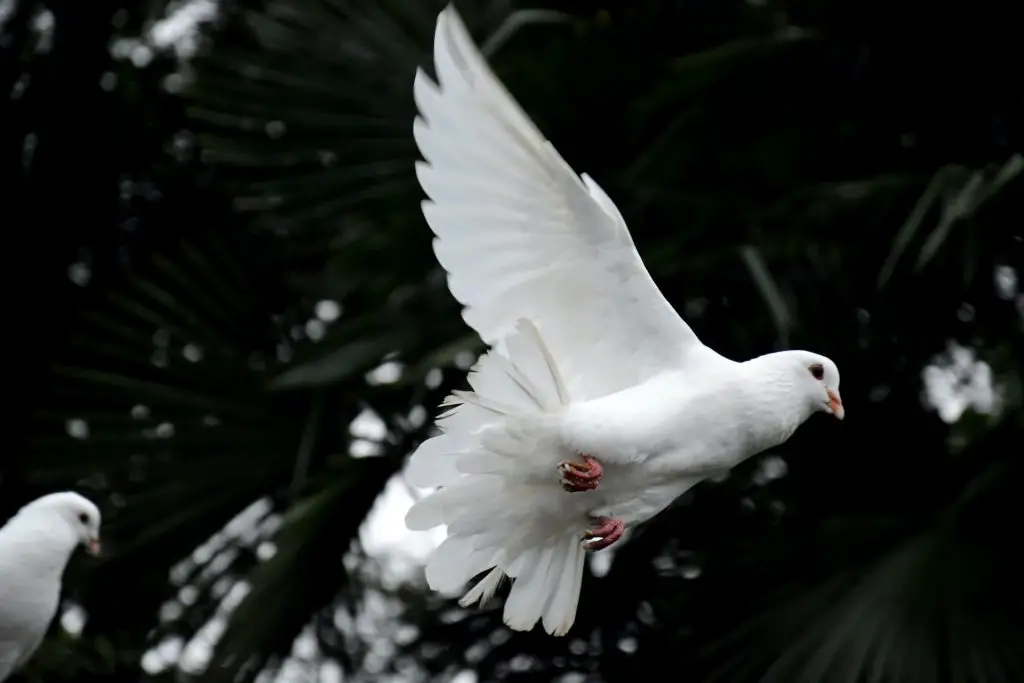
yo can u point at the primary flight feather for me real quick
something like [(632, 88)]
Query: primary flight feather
[(597, 405)]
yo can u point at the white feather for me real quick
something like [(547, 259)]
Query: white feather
[(494, 512), (522, 236), (485, 589), (586, 356), (35, 546)]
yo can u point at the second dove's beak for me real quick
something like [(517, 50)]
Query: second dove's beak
[(835, 404), (92, 546)]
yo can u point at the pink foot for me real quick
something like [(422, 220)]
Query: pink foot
[(605, 532), (580, 477)]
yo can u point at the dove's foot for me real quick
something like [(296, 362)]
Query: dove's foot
[(580, 477), (605, 532)]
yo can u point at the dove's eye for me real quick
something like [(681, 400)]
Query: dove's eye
[(817, 371), (83, 518)]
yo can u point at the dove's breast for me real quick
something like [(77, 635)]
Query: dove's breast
[(657, 441), (29, 592), (25, 613), (634, 499), (27, 603)]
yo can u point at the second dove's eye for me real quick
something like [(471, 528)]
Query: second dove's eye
[(817, 371)]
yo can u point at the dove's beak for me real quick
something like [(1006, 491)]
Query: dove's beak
[(835, 404), (92, 546)]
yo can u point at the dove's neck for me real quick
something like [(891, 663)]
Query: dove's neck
[(42, 542), (782, 405)]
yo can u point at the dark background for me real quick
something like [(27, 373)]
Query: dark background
[(839, 176)]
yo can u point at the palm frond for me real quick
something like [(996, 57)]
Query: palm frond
[(959, 192), (310, 105), (303, 577), (162, 398)]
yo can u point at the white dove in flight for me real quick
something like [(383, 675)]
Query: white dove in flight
[(597, 405), (35, 546)]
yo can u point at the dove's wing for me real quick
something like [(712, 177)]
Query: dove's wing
[(522, 236)]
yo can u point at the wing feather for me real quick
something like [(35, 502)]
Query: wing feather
[(522, 236)]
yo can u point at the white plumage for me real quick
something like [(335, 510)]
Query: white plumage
[(35, 546), (587, 357)]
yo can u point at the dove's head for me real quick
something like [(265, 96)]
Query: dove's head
[(812, 380), (80, 515), (817, 378)]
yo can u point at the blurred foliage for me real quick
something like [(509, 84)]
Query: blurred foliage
[(838, 176)]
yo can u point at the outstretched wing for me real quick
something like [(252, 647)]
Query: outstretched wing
[(522, 236)]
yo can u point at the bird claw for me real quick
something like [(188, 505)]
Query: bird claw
[(576, 477), (605, 532)]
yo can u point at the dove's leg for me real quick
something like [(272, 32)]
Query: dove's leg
[(580, 477), (605, 532)]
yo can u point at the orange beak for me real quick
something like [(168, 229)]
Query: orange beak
[(92, 546), (835, 404)]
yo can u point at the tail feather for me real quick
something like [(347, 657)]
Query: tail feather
[(560, 612), (548, 588), (462, 419), (525, 603), (445, 505), (484, 462), (484, 589), (498, 518), (500, 389), (435, 462), (455, 562)]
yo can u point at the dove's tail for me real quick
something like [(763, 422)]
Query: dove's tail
[(499, 517)]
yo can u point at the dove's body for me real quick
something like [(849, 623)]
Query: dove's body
[(28, 597), (660, 438), (35, 546), (588, 358)]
